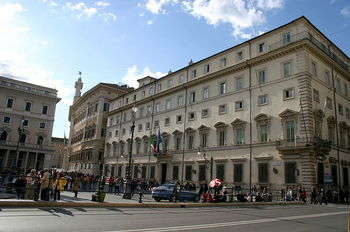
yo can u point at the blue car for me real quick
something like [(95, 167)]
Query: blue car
[(166, 192)]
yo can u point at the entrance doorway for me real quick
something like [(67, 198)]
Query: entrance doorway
[(164, 172)]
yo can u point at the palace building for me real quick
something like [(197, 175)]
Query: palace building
[(272, 111)]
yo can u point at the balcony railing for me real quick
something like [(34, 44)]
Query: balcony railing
[(302, 143)]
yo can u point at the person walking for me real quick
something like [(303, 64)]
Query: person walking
[(111, 184), (45, 184), (76, 186), (59, 187), (20, 186)]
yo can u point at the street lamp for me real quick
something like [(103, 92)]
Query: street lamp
[(128, 192), (20, 132), (211, 162)]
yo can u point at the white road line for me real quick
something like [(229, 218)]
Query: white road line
[(227, 224)]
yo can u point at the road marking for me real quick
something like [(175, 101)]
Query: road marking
[(227, 224)]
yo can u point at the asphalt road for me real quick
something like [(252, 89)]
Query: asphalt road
[(272, 219)]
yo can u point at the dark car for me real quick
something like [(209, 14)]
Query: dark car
[(166, 192)]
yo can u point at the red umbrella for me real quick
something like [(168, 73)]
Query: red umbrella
[(215, 183)]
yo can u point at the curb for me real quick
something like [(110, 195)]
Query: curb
[(13, 204)]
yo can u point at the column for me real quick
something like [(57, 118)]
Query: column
[(26, 162), (36, 159)]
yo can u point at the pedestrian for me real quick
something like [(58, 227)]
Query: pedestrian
[(111, 184), (313, 196), (76, 186), (59, 187), (45, 184), (20, 186)]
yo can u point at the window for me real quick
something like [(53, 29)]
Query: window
[(170, 83), (148, 125), (22, 138), (263, 133), (222, 137), (290, 171), (337, 85), (181, 79), (25, 122), (96, 105), (175, 172), (239, 83), (202, 172), (203, 139), (126, 101), (139, 127), (290, 131), (222, 88), (179, 119), (157, 107), (327, 77), (320, 173), (105, 107), (190, 141), (261, 47), (205, 92), (7, 119), (238, 105), (340, 109), (143, 93), (194, 73), (103, 132), (167, 121), (42, 125), (149, 109), (239, 136), (316, 95), (237, 173), (188, 172), (116, 133), (262, 100), (28, 106), (191, 116), (9, 103), (288, 93), (206, 68), (180, 100), (286, 37), (314, 68), (261, 76), (223, 62), (156, 124), (263, 172), (177, 142), (159, 87), (223, 109), (40, 140), (347, 114), (123, 131), (152, 172), (220, 171), (192, 97), (239, 55), (287, 69), (329, 103), (151, 90), (3, 136), (205, 113), (168, 104), (331, 134), (141, 110), (346, 91)]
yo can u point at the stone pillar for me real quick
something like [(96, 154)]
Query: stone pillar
[(7, 154), (26, 162), (36, 160)]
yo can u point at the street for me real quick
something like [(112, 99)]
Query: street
[(262, 218)]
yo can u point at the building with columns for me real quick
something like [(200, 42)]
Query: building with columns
[(27, 113), (88, 120), (60, 151), (272, 111)]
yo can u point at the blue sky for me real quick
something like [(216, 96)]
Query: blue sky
[(48, 41)]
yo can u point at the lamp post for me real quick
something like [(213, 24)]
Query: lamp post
[(128, 192), (211, 162), (20, 132)]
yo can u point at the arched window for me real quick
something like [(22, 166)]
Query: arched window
[(22, 138), (40, 140), (3, 136)]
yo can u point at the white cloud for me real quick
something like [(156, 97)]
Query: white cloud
[(157, 6), (49, 2), (133, 74), (332, 2), (242, 16), (345, 11), (149, 22), (102, 4), (109, 16), (82, 9)]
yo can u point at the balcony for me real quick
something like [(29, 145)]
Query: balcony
[(314, 143)]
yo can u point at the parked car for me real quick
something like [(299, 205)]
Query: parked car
[(166, 192)]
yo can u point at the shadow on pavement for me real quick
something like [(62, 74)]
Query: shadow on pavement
[(57, 211), (119, 210)]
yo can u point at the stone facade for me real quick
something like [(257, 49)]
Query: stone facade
[(88, 120), (257, 109), (60, 146), (27, 114)]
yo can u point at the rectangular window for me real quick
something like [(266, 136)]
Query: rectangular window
[(139, 127), (239, 136), (143, 172), (205, 113), (205, 92), (347, 114), (188, 172), (180, 100), (223, 62), (156, 124), (314, 68), (177, 142), (290, 131), (206, 68), (222, 88), (42, 125), (159, 87), (192, 97), (157, 107), (238, 105), (329, 103), (327, 77), (167, 121), (25, 122), (179, 119), (194, 73), (223, 109), (190, 141), (181, 79), (237, 173), (202, 172), (170, 83), (239, 55), (148, 125), (222, 137), (175, 172), (340, 109), (337, 86), (286, 37), (290, 172), (204, 139), (263, 172), (220, 171), (105, 107), (239, 83), (7, 119), (262, 100), (151, 91), (288, 93), (316, 95), (263, 133), (168, 104), (287, 69), (261, 47), (149, 110), (261, 76), (152, 172), (346, 91), (28, 106), (191, 116), (9, 103)]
